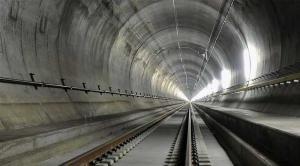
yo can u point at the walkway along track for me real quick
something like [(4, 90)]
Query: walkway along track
[(240, 151)]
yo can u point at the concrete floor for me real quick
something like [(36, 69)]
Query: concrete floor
[(288, 124), (74, 138), (154, 149), (271, 135), (216, 153)]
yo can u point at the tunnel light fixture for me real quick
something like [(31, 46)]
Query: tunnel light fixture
[(247, 64), (296, 81), (251, 61), (206, 55), (225, 78), (215, 85), (203, 55)]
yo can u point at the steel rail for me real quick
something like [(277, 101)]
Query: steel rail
[(86, 158), (177, 154), (188, 151)]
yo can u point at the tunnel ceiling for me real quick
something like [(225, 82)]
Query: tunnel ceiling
[(175, 35), (154, 46)]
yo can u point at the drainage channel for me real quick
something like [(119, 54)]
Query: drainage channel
[(109, 153)]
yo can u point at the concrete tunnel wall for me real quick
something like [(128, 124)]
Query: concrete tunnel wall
[(272, 27), (270, 30), (70, 40), (148, 46), (112, 43)]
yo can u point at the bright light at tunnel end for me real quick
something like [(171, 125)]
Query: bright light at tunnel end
[(215, 85), (181, 95), (210, 88)]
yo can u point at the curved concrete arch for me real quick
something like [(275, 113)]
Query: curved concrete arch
[(149, 47)]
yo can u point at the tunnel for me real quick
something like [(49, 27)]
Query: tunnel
[(150, 82)]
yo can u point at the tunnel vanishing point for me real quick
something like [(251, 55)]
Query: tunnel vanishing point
[(150, 82)]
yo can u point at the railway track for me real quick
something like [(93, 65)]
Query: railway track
[(186, 146), (184, 149), (115, 149)]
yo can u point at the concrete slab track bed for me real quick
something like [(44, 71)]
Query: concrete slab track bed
[(200, 82)]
